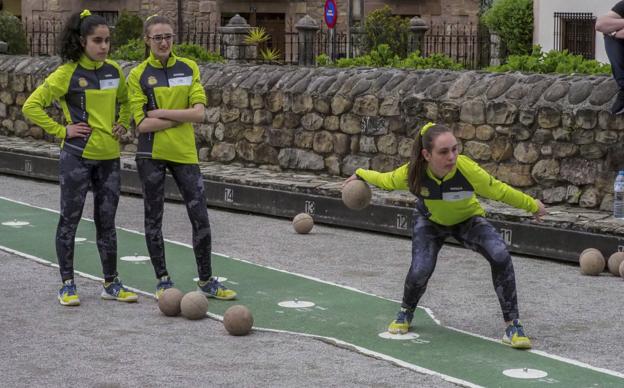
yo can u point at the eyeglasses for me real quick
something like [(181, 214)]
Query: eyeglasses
[(160, 38)]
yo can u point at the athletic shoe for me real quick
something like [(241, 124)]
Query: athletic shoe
[(163, 284), (67, 295), (116, 291), (515, 336), (402, 322), (213, 288)]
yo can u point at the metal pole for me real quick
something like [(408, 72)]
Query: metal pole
[(180, 21), (349, 26), (349, 15), (362, 12), (331, 45)]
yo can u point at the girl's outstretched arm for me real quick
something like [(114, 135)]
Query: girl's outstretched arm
[(392, 180)]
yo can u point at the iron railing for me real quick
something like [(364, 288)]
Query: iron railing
[(202, 34), (42, 35), (576, 32), (467, 44)]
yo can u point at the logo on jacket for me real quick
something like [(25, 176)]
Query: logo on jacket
[(424, 191), (82, 82), (151, 80)]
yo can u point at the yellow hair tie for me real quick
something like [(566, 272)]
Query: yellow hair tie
[(85, 13), (425, 128), (151, 16)]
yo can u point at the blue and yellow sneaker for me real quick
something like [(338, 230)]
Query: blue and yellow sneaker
[(213, 288), (164, 283), (67, 295), (116, 291), (515, 336), (402, 322)]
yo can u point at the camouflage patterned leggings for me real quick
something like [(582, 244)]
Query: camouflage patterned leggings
[(77, 175), (476, 234), (191, 185)]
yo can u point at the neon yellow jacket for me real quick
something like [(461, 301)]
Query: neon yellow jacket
[(88, 92), (176, 86), (453, 199)]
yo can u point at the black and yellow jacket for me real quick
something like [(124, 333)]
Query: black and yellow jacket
[(88, 92), (453, 199), (176, 86)]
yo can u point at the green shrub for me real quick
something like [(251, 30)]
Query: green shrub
[(434, 61), (323, 60), (560, 62), (12, 32), (512, 20), (128, 27), (354, 62), (381, 27), (441, 61), (134, 50), (383, 57), (197, 53)]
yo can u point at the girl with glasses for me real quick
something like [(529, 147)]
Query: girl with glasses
[(167, 96)]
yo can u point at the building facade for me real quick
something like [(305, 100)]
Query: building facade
[(197, 21), (570, 24), (284, 13)]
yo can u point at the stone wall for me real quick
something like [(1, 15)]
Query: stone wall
[(551, 136)]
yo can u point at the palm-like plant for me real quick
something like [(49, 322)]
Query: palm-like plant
[(256, 35), (270, 54)]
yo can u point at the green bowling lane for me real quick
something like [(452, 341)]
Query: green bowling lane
[(338, 313)]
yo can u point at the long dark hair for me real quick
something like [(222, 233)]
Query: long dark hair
[(418, 164), (70, 47), (149, 22)]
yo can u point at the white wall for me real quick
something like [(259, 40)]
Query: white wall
[(544, 27)]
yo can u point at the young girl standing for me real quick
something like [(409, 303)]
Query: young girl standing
[(88, 87), (446, 185), (166, 97)]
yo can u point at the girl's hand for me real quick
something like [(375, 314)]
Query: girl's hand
[(349, 179), (541, 210), (78, 130), (118, 131)]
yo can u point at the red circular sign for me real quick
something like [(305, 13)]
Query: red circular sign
[(331, 13)]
